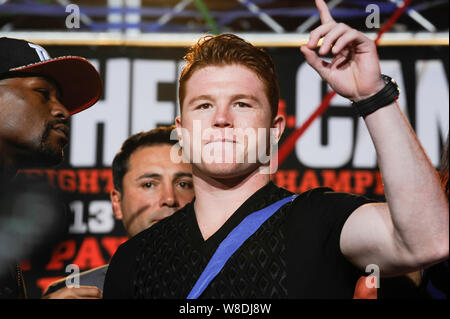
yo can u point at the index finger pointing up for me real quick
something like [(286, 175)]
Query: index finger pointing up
[(324, 12)]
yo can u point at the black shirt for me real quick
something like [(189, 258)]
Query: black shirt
[(294, 254), (32, 219)]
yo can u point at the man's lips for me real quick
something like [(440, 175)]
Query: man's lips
[(222, 140), (162, 214), (62, 130)]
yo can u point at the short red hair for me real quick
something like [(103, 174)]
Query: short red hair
[(228, 49)]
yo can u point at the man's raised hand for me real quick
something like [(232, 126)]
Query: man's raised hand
[(354, 71)]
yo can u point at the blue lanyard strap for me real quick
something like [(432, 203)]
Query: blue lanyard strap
[(232, 242)]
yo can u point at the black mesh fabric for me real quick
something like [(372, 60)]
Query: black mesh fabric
[(294, 254), (173, 255)]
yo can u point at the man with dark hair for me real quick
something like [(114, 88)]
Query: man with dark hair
[(38, 94), (244, 237), (148, 187)]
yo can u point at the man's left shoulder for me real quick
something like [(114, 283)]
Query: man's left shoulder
[(325, 202), (321, 194)]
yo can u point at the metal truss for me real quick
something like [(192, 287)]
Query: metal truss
[(134, 20)]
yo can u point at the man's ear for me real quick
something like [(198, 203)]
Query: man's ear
[(116, 201), (278, 125), (179, 130)]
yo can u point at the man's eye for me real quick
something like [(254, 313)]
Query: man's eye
[(44, 92), (186, 185), (241, 104), (148, 185), (204, 106)]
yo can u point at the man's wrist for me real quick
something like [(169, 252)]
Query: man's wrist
[(377, 88), (384, 97)]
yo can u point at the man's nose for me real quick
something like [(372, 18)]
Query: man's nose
[(168, 197), (222, 117), (59, 111)]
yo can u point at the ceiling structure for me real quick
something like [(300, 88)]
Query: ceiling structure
[(216, 16)]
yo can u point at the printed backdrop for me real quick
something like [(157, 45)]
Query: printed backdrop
[(140, 85)]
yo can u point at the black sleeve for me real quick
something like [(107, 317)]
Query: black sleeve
[(339, 207), (319, 216), (119, 277)]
